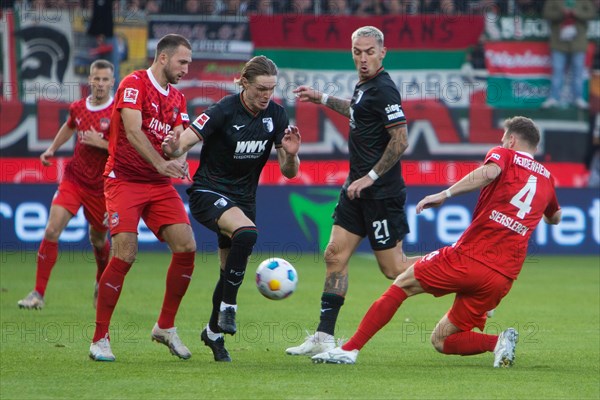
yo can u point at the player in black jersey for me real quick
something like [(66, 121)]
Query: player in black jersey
[(371, 202), (238, 134)]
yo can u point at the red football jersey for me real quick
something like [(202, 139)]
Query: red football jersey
[(87, 164), (162, 110), (507, 212)]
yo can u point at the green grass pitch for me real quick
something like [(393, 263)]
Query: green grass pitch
[(555, 305)]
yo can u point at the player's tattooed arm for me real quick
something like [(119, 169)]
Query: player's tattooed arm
[(396, 147), (342, 106), (336, 283)]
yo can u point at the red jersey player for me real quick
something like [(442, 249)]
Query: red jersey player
[(82, 183), (138, 185), (517, 192)]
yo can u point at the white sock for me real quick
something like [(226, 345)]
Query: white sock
[(225, 305), (211, 335)]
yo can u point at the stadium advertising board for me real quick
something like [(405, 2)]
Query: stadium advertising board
[(296, 220)]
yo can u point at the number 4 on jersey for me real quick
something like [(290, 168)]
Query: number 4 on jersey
[(527, 192)]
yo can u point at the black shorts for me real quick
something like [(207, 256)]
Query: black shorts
[(382, 220), (207, 207)]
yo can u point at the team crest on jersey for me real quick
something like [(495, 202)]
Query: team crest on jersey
[(104, 122), (114, 220), (201, 121), (268, 123), (359, 95), (220, 203), (130, 95)]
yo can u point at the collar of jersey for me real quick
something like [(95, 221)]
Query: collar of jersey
[(380, 70), (248, 110), (99, 107), (156, 85)]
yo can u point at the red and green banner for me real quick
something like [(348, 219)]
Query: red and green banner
[(519, 73), (324, 42)]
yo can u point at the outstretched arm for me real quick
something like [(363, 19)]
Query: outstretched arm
[(308, 94), (62, 136), (396, 147), (287, 154), (178, 143), (476, 179)]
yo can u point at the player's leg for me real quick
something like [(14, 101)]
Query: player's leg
[(94, 209), (166, 216), (47, 256), (124, 204), (378, 315), (124, 251), (479, 289), (393, 261), (347, 232), (236, 225), (212, 335), (342, 245)]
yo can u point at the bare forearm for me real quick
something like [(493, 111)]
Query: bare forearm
[(140, 142), (477, 179), (63, 135), (396, 147), (289, 168), (342, 106)]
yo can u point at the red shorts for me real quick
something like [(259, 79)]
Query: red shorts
[(478, 288), (71, 196), (127, 202)]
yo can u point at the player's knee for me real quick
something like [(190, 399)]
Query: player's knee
[(245, 238), (52, 234), (437, 342), (332, 254)]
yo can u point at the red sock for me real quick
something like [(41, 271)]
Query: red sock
[(109, 290), (380, 313), (469, 343), (102, 256), (46, 258), (179, 277)]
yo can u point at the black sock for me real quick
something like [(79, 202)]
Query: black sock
[(242, 242), (216, 304), (330, 308)]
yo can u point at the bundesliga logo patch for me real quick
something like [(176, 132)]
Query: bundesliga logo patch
[(201, 121), (130, 95)]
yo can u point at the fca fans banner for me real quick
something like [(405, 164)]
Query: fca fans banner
[(212, 38), (519, 73), (296, 221)]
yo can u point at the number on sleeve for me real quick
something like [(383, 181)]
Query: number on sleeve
[(527, 192)]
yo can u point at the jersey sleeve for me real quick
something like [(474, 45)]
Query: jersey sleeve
[(281, 125), (130, 94), (71, 120), (208, 122), (388, 106), (182, 117), (553, 205), (499, 156)]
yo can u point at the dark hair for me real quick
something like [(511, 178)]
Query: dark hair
[(524, 128), (102, 64), (169, 43), (257, 66)]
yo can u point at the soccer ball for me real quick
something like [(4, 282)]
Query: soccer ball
[(276, 278)]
